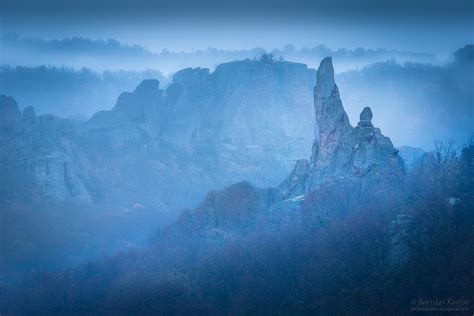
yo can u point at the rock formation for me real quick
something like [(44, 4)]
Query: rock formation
[(10, 115), (38, 156), (343, 151), (167, 147), (295, 183)]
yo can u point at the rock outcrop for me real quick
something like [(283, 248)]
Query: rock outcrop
[(343, 151), (39, 156), (142, 104), (168, 147), (295, 183), (10, 115)]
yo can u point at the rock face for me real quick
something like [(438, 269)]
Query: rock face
[(295, 183), (332, 149), (168, 147), (343, 151), (10, 115), (38, 156), (345, 161)]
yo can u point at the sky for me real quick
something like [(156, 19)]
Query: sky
[(439, 26)]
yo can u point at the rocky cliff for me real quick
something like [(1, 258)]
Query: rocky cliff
[(167, 148), (39, 156), (347, 163), (248, 120)]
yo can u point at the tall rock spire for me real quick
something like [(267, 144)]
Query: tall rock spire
[(330, 113), (342, 151), (329, 151)]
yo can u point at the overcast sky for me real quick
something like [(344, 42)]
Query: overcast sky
[(417, 25)]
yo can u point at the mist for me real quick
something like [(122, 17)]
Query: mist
[(111, 54), (236, 157), (419, 85)]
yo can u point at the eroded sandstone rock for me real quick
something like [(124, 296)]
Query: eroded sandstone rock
[(343, 151)]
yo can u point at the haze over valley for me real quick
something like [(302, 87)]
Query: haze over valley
[(214, 158)]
